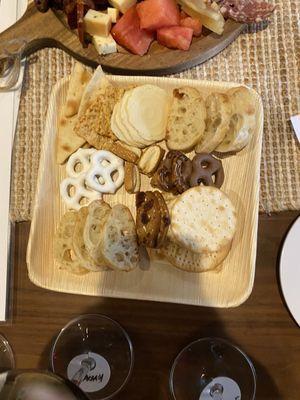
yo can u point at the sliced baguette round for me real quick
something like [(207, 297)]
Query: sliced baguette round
[(119, 240), (98, 212), (186, 122), (241, 123), (189, 261), (203, 220), (218, 113), (63, 248), (79, 245)]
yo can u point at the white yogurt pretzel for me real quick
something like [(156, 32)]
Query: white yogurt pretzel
[(81, 157), (106, 173), (80, 192)]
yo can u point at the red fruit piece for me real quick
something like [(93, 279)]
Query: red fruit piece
[(155, 14), (192, 23), (127, 33), (175, 37)]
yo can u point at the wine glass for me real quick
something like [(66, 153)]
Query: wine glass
[(94, 352), (36, 385), (212, 369), (10, 63), (7, 360)]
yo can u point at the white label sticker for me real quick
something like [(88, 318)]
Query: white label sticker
[(296, 125), (226, 388), (94, 380)]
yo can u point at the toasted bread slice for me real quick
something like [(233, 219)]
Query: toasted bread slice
[(119, 240), (218, 113), (241, 123), (98, 212), (79, 245), (63, 248), (186, 122)]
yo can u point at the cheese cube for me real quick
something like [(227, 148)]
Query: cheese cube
[(105, 45), (113, 13), (122, 5), (97, 23)]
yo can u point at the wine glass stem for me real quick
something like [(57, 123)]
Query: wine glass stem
[(216, 392), (86, 366)]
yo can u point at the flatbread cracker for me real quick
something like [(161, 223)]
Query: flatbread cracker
[(79, 79), (203, 220), (67, 142)]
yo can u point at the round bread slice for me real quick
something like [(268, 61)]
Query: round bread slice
[(218, 113), (98, 212), (63, 248), (186, 122), (203, 220), (147, 108), (119, 240), (242, 121), (79, 245), (188, 261)]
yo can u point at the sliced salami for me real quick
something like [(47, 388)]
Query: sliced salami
[(246, 11)]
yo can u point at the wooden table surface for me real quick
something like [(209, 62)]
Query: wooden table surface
[(262, 326)]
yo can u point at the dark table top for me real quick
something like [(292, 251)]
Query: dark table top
[(262, 326)]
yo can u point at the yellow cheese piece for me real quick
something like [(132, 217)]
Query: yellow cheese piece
[(122, 5), (104, 44), (209, 15), (113, 13), (97, 23)]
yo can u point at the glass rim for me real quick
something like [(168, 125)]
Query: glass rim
[(9, 349), (209, 338), (97, 316)]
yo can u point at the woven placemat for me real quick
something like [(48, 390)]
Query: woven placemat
[(263, 57)]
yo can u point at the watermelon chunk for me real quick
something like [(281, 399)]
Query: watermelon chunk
[(155, 14), (192, 23), (127, 33), (175, 37)]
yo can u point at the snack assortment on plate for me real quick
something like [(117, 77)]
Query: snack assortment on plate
[(137, 138), (135, 25)]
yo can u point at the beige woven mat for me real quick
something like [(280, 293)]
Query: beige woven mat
[(266, 59)]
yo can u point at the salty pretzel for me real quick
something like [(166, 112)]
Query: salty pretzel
[(207, 170), (106, 173), (81, 192), (81, 158), (148, 218)]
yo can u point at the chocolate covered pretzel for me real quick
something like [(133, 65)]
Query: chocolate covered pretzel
[(206, 170)]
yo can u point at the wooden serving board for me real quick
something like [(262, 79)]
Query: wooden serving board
[(161, 282), (49, 30)]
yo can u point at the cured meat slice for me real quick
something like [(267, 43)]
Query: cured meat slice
[(246, 11)]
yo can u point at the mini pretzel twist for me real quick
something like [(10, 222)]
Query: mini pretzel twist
[(81, 192), (106, 173), (207, 170), (82, 157)]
